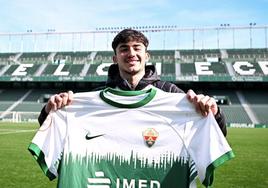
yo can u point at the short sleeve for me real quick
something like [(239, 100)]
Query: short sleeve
[(208, 148), (48, 143)]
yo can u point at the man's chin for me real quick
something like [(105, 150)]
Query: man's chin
[(132, 71)]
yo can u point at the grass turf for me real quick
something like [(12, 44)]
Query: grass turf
[(247, 170)]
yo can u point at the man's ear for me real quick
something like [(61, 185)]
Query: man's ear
[(147, 56), (114, 59)]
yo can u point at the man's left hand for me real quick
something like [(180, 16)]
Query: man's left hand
[(203, 103)]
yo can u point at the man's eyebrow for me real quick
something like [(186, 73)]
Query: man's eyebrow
[(122, 46), (125, 45)]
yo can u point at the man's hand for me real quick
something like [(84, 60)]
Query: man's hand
[(59, 100), (203, 103)]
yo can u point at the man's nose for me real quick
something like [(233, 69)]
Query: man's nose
[(132, 52)]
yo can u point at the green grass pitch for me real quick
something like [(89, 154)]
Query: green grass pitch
[(249, 169)]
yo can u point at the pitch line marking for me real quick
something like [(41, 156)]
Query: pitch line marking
[(16, 131)]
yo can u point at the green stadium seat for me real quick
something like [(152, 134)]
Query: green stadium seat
[(29, 70), (12, 94), (168, 69), (235, 114), (74, 57), (34, 57), (258, 70), (251, 54), (7, 57), (28, 107), (50, 69), (261, 111), (255, 97), (188, 69), (104, 57), (4, 106), (164, 56)]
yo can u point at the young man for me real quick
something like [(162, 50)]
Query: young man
[(130, 72), (146, 138)]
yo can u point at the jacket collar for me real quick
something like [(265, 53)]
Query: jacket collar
[(115, 80)]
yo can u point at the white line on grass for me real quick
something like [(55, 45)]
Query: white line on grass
[(16, 131)]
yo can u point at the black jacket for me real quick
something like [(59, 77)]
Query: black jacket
[(150, 78)]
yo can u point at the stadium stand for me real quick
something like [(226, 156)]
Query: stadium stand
[(239, 101), (34, 57), (163, 56), (73, 57), (73, 69), (103, 57), (30, 70), (198, 55), (22, 103), (28, 79), (255, 97), (236, 114), (7, 57), (247, 54), (258, 103)]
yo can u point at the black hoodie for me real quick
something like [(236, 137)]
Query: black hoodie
[(150, 78)]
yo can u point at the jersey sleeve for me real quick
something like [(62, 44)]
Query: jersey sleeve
[(208, 148), (48, 143)]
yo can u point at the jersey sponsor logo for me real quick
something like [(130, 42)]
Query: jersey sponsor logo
[(89, 136), (150, 135), (100, 181)]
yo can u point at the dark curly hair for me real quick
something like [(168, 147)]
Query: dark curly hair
[(128, 35)]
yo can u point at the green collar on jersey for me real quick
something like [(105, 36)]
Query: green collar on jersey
[(150, 95)]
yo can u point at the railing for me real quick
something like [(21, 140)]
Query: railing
[(161, 38)]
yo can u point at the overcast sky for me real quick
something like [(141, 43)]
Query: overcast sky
[(82, 15)]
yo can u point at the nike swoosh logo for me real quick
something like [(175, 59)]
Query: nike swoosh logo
[(88, 137)]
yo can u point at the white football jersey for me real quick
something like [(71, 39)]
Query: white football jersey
[(130, 139)]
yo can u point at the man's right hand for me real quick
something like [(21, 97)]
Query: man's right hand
[(59, 100)]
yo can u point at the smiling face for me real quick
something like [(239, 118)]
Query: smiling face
[(131, 58)]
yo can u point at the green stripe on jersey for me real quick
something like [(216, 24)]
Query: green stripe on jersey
[(150, 95)]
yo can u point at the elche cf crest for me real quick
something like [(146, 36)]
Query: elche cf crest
[(150, 135)]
